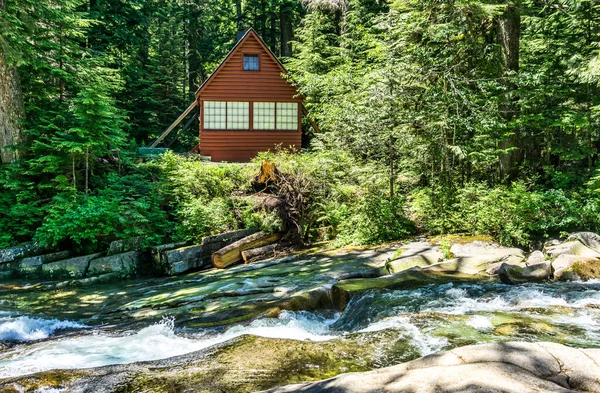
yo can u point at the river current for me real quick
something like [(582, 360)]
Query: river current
[(426, 320)]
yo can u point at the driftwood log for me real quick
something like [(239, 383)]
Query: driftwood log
[(232, 253), (259, 253)]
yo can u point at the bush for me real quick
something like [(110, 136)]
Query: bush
[(513, 215), (345, 199), (125, 209)]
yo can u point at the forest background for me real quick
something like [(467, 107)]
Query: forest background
[(435, 116)]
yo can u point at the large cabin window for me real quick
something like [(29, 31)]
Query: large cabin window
[(264, 115), (238, 115), (250, 62), (222, 115), (287, 116), (233, 115), (215, 115)]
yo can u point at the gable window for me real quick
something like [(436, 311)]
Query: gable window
[(250, 62), (287, 116)]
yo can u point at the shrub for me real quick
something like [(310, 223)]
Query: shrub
[(514, 215)]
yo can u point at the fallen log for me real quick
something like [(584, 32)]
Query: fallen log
[(232, 253), (259, 253)]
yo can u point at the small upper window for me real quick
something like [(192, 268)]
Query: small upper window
[(250, 62)]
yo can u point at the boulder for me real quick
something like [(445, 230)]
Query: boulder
[(535, 258), (513, 274), (180, 260), (68, 268), (422, 260), (574, 267), (500, 367), (124, 245), (574, 247), (124, 264), (415, 277), (475, 264), (589, 239), (33, 265), (25, 250), (484, 249)]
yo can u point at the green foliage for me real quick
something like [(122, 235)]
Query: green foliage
[(514, 215), (200, 196), (345, 200), (127, 208)]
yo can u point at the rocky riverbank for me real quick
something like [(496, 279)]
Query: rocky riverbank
[(502, 367), (306, 316)]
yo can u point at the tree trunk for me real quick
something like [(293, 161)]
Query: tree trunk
[(11, 106), (259, 253), (509, 33), (286, 29), (193, 58), (233, 253)]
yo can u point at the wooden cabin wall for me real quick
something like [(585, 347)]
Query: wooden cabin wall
[(232, 83)]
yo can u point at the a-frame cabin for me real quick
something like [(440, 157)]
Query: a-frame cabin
[(246, 106)]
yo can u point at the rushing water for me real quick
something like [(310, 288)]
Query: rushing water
[(429, 319)]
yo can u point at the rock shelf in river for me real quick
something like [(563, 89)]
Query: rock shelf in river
[(510, 367)]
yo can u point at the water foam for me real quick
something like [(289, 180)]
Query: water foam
[(154, 342), (423, 342), (23, 328)]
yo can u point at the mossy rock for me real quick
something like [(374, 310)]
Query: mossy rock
[(573, 267)]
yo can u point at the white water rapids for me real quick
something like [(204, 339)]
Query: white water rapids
[(373, 312)]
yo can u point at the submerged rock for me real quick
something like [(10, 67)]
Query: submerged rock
[(501, 367)]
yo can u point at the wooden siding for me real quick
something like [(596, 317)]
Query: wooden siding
[(239, 146), (231, 83)]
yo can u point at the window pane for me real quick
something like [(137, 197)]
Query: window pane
[(238, 115), (214, 115), (264, 115), (287, 116), (250, 62)]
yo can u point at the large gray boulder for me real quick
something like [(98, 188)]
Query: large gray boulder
[(535, 258), (573, 267), (484, 249), (68, 268), (124, 265), (12, 254), (492, 368), (589, 239), (481, 264), (573, 247), (420, 253)]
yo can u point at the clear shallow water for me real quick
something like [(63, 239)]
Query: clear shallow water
[(428, 320)]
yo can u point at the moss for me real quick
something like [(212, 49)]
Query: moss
[(47, 379), (460, 239), (587, 269)]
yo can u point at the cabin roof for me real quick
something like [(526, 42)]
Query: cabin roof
[(248, 33)]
